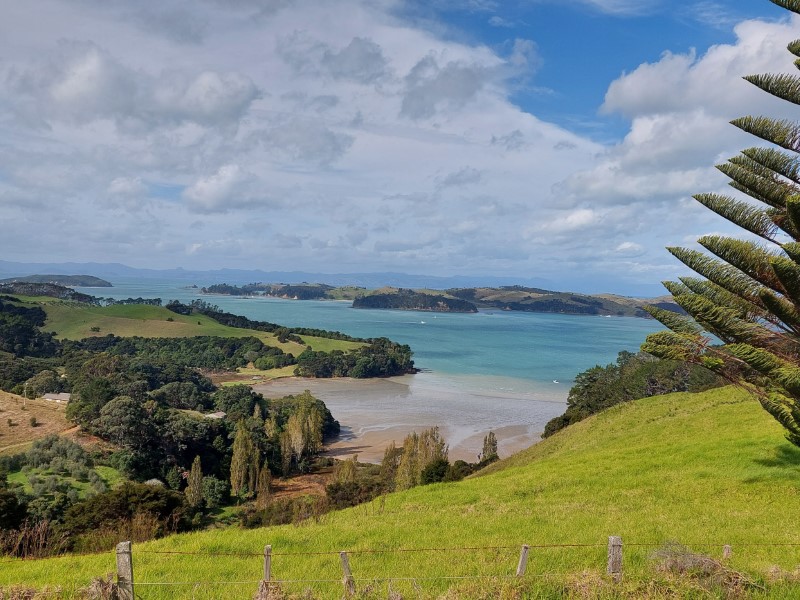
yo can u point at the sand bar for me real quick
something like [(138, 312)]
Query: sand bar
[(375, 412)]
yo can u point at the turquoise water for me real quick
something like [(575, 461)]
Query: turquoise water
[(522, 348), (493, 371)]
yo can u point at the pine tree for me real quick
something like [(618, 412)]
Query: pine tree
[(194, 490), (748, 295)]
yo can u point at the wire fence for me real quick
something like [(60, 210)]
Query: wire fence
[(498, 563), (326, 573)]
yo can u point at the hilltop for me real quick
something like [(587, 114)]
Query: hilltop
[(702, 470)]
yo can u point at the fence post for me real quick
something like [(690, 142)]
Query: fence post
[(523, 560), (726, 551), (615, 557), (124, 571), (267, 562), (347, 580)]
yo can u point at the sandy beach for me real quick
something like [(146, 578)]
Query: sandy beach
[(375, 412)]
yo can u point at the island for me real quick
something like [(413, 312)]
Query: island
[(405, 299), (63, 280), (463, 300)]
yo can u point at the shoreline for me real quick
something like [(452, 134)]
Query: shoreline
[(375, 412)]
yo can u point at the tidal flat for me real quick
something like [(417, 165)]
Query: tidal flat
[(375, 412)]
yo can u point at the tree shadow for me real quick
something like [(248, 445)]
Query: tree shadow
[(786, 465), (785, 456)]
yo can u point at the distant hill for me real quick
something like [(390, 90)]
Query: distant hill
[(64, 280), (469, 300), (526, 299)]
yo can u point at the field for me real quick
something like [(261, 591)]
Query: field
[(75, 321), (703, 470), (17, 436)]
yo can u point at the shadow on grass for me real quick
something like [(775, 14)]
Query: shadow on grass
[(784, 466)]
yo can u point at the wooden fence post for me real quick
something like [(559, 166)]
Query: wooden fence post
[(348, 581), (124, 571), (726, 551), (267, 562), (615, 557), (523, 560)]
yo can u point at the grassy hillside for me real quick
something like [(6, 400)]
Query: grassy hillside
[(704, 470), (74, 321), (16, 431)]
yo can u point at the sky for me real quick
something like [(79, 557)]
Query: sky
[(551, 139)]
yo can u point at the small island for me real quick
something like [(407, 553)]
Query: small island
[(62, 280), (405, 299)]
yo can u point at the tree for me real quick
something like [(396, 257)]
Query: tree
[(748, 295), (244, 463), (262, 490), (194, 490), (419, 451), (489, 452)]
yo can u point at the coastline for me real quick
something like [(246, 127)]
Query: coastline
[(375, 412)]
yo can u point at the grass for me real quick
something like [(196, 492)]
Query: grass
[(705, 470), (75, 321), (18, 436)]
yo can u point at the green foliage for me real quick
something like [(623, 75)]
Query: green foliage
[(489, 450), (20, 334), (122, 504), (215, 492), (381, 358), (244, 463), (237, 401), (633, 376), (194, 487), (420, 451), (753, 299)]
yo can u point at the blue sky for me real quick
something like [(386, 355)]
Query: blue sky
[(583, 46), (557, 140)]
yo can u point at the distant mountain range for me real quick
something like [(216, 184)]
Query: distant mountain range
[(369, 280), (112, 271)]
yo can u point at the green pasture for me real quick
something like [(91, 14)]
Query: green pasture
[(702, 470), (75, 321)]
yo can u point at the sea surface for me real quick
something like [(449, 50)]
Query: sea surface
[(506, 371)]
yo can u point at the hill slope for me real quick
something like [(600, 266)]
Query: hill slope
[(706, 470)]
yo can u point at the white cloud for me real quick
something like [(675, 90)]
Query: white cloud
[(431, 88), (338, 136), (81, 82), (226, 189)]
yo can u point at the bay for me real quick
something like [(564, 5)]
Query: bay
[(509, 372)]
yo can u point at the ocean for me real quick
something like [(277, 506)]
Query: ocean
[(506, 371)]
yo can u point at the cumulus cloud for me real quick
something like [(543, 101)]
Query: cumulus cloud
[(344, 136), (430, 87), (361, 60), (679, 108), (228, 188), (81, 82)]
